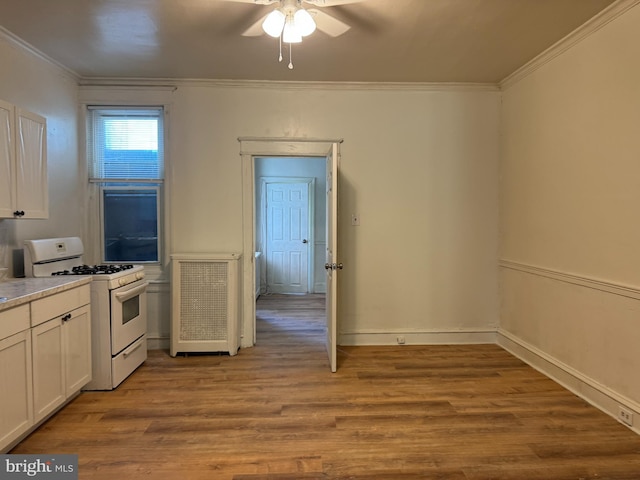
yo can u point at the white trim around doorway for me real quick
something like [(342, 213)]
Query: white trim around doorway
[(250, 149)]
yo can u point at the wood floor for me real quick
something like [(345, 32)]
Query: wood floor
[(276, 412)]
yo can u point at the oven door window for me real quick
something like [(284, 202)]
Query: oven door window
[(130, 309), (128, 315)]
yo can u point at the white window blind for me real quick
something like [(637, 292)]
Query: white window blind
[(125, 144)]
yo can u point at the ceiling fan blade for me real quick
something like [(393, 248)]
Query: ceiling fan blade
[(331, 3), (254, 2), (255, 29), (328, 24)]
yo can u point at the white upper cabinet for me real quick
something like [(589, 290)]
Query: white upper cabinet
[(23, 164), (32, 193), (7, 160)]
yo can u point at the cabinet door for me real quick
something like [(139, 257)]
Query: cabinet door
[(16, 401), (7, 187), (76, 335), (32, 195), (48, 368)]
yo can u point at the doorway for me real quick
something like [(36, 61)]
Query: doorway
[(328, 152), (290, 226), (290, 231)]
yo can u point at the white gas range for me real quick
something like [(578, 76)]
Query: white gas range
[(118, 306)]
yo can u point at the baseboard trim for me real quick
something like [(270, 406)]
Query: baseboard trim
[(581, 385), (157, 342), (436, 337)]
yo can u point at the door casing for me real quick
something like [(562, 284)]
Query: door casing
[(250, 149)]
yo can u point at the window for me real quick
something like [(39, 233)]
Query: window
[(126, 163)]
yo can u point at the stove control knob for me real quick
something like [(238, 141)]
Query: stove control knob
[(122, 282), (139, 275)]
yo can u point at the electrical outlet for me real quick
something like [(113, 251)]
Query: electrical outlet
[(400, 340), (355, 219), (625, 416)]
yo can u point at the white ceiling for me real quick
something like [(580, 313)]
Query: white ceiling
[(479, 41)]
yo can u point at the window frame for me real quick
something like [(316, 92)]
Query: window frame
[(94, 226)]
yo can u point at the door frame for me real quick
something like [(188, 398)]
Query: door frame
[(250, 149), (311, 187)]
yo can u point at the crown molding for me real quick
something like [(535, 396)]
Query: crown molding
[(287, 85), (609, 14), (20, 44)]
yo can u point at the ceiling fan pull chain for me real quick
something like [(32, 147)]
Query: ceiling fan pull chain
[(280, 57), (290, 60)]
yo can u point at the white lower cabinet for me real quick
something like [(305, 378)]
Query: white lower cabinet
[(48, 368), (16, 414), (61, 360), (76, 343), (45, 359)]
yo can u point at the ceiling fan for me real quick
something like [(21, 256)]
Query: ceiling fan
[(326, 23), (290, 20)]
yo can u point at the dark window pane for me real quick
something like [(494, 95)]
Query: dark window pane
[(131, 225)]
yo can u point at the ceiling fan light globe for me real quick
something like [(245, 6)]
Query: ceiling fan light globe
[(291, 34), (274, 23), (304, 22)]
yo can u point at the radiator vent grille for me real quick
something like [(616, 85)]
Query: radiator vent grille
[(205, 303)]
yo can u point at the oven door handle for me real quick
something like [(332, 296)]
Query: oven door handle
[(124, 296)]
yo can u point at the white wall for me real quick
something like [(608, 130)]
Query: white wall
[(569, 199), (40, 86), (419, 167)]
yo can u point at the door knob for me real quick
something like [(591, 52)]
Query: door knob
[(333, 266), (304, 240)]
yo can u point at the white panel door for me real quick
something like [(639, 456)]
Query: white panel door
[(287, 242), (332, 266)]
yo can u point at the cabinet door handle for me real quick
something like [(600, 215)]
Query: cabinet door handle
[(18, 213), (66, 318)]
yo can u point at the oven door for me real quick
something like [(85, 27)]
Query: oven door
[(128, 315)]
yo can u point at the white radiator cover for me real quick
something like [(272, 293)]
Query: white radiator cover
[(205, 303)]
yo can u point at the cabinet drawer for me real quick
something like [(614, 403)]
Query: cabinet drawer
[(14, 320), (55, 305), (123, 364)]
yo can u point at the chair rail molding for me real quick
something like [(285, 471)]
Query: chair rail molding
[(603, 285)]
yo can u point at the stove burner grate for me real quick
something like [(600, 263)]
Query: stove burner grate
[(94, 270)]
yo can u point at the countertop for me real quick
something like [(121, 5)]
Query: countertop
[(24, 290)]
